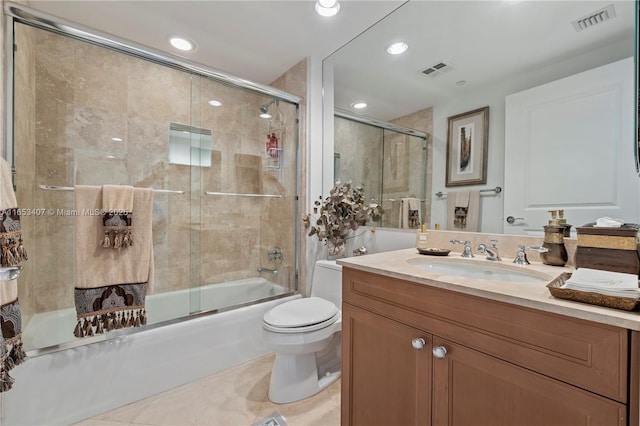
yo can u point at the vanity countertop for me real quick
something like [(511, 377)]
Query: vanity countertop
[(396, 264)]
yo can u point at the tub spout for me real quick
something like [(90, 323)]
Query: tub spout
[(270, 271)]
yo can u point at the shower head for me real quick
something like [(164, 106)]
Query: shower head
[(264, 109)]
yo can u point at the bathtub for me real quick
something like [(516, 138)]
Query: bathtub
[(66, 386), (51, 328)]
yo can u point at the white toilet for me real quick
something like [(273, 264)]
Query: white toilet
[(305, 336)]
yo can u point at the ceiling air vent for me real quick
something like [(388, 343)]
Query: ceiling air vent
[(439, 68), (594, 18)]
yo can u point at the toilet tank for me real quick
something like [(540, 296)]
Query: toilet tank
[(327, 281)]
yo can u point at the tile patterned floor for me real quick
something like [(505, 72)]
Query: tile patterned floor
[(234, 397)]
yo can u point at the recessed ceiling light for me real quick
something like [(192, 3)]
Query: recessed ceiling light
[(397, 48), (182, 43), (327, 7), (213, 102), (359, 104), (116, 139), (265, 115), (461, 82)]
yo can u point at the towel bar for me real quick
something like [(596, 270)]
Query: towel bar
[(495, 190), (70, 188), (236, 194), (393, 200)]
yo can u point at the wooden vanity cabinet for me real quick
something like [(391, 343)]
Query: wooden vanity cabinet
[(389, 380), (405, 361)]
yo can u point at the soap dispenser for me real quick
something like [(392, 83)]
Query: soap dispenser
[(563, 222), (554, 242), (421, 238)]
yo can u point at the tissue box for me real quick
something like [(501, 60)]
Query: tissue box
[(608, 249)]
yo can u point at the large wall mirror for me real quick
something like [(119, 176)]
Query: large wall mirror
[(466, 55)]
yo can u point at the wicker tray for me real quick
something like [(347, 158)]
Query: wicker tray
[(586, 297)]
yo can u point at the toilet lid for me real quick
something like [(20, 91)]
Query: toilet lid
[(301, 313)]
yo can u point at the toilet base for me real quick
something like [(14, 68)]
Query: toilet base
[(295, 377)]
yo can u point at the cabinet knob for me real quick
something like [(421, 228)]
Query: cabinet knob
[(418, 343), (440, 352)]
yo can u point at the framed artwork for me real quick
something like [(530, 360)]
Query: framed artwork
[(467, 147)]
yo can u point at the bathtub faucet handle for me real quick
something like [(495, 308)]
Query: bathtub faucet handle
[(275, 255)]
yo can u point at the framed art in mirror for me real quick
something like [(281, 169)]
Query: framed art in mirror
[(467, 147)]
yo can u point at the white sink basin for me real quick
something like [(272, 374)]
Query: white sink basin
[(479, 271)]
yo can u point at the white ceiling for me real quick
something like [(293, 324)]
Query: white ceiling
[(260, 40), (255, 40), (487, 42)]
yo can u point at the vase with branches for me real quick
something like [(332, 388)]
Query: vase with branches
[(343, 211)]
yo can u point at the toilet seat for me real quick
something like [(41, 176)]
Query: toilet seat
[(302, 315)]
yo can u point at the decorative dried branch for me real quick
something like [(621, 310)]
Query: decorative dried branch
[(341, 212)]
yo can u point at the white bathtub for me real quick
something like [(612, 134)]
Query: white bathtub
[(67, 386), (55, 327)]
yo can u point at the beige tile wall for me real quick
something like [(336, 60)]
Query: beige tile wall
[(360, 149), (294, 81), (422, 120), (85, 95), (24, 131)]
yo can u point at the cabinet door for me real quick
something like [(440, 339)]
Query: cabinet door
[(385, 379), (471, 388)]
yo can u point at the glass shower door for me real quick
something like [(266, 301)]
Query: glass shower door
[(247, 189)]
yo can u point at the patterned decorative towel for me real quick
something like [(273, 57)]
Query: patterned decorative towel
[(410, 216), (12, 253), (463, 210), (111, 285), (117, 203)]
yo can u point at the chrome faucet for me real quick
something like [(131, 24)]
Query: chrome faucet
[(269, 271), (466, 251), (492, 253), (521, 255)]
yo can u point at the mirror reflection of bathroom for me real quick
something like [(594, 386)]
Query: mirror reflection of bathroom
[(446, 77), (389, 161)]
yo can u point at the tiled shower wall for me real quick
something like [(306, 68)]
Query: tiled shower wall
[(360, 148), (389, 164), (84, 96), (421, 120)]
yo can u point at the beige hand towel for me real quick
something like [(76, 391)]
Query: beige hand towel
[(117, 197), (111, 285), (410, 217), (463, 210), (7, 196), (11, 253)]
